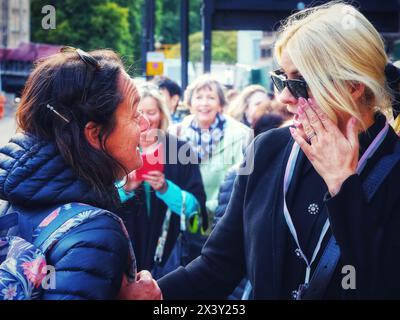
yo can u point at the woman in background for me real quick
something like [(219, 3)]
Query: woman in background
[(163, 203), (218, 139), (249, 105)]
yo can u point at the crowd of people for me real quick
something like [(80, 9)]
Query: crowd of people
[(141, 176)]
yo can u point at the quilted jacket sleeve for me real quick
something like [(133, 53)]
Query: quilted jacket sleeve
[(89, 261)]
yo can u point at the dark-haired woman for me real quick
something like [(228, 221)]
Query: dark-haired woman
[(79, 131)]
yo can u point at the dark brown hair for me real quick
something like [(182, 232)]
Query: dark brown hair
[(59, 81)]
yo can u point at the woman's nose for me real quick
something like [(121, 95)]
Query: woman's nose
[(144, 123), (203, 101), (286, 97)]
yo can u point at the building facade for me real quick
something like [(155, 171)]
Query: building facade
[(14, 22)]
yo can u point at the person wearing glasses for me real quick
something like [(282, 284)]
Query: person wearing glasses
[(165, 204), (79, 130), (318, 217)]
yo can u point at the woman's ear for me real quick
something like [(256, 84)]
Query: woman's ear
[(357, 90), (92, 132)]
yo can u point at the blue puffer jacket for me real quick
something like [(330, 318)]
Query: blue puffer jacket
[(224, 196), (90, 259)]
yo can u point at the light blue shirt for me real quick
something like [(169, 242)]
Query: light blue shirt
[(172, 198)]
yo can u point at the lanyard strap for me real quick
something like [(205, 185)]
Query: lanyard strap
[(286, 182)]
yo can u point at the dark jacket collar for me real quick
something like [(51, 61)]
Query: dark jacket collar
[(33, 173)]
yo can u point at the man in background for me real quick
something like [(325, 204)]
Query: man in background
[(172, 93)]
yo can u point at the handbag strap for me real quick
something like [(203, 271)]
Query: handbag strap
[(329, 259), (162, 239)]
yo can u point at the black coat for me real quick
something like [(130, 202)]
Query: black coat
[(90, 259), (224, 194), (251, 239), (267, 122), (144, 230)]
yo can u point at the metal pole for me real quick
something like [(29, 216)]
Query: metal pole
[(144, 40), (151, 21), (148, 31), (184, 43), (206, 12)]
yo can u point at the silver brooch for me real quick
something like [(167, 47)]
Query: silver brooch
[(313, 208)]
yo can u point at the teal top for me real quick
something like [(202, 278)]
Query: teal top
[(172, 198)]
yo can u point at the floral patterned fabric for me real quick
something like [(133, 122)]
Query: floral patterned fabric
[(21, 272), (23, 265)]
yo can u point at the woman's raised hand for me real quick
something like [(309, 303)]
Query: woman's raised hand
[(333, 154)]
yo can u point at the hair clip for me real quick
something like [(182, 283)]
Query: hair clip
[(57, 113)]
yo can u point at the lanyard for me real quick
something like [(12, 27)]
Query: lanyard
[(286, 182)]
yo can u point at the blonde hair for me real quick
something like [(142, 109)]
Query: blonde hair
[(150, 90), (240, 104), (334, 46)]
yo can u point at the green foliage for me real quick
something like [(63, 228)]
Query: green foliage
[(224, 48), (91, 25), (112, 26), (167, 28)]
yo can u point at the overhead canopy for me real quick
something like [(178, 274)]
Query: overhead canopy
[(28, 52), (266, 15)]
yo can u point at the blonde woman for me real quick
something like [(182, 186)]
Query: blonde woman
[(159, 199), (311, 185)]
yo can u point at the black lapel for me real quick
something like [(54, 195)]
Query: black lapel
[(301, 164), (279, 229)]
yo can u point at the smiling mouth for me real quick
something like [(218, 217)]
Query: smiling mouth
[(204, 111)]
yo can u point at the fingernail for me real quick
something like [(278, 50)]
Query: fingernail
[(302, 101), (301, 110), (353, 120), (291, 130)]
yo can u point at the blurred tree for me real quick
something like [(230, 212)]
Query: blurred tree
[(167, 28), (224, 47), (92, 24), (135, 26), (112, 30)]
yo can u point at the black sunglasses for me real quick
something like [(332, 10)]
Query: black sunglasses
[(297, 87), (91, 66)]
